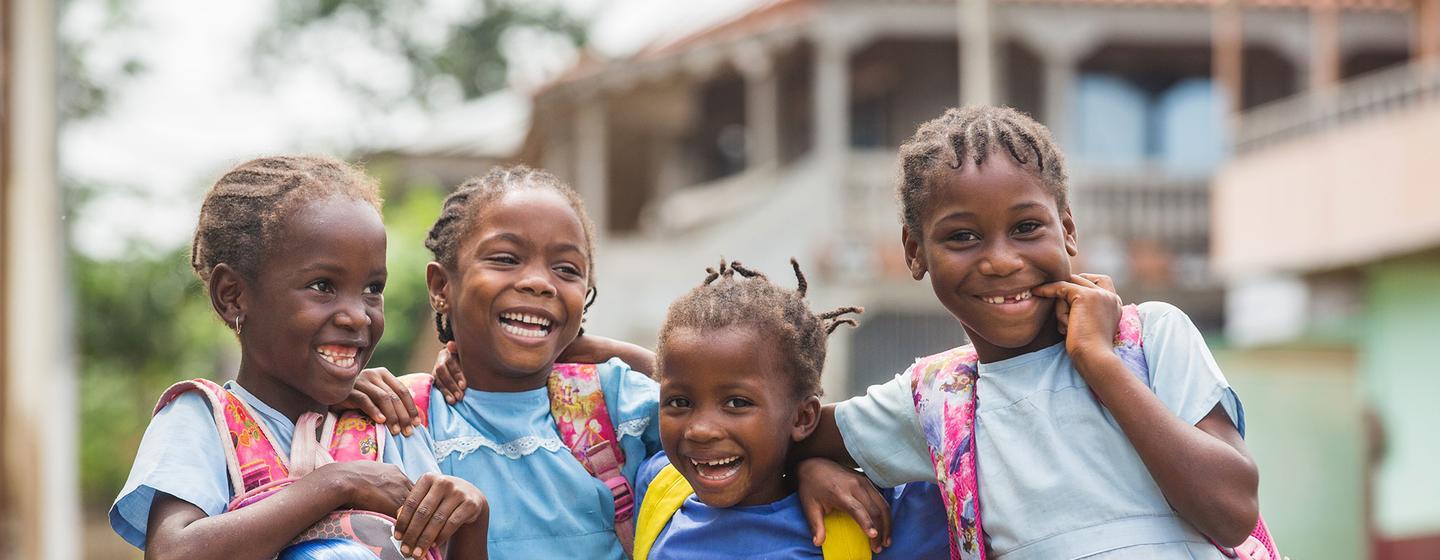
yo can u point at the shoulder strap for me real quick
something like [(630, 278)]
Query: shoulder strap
[(577, 404), (419, 385), (668, 491), (251, 458), (663, 498), (943, 386), (353, 436)]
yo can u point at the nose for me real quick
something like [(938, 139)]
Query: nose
[(536, 281), (1000, 259), (701, 430), (352, 315)]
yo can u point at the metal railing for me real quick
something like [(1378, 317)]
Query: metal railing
[(1381, 92)]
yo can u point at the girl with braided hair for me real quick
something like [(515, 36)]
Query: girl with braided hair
[(1071, 426), (291, 251), (739, 370)]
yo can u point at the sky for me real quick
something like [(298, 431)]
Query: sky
[(200, 106)]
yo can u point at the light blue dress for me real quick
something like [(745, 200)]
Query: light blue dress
[(543, 502), (779, 530), (181, 455), (1058, 478)]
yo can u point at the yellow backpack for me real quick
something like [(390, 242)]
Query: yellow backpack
[(843, 538)]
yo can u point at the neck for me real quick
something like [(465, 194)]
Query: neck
[(1048, 336), (496, 378), (279, 396)]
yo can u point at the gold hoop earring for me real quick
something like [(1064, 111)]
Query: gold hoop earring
[(239, 320)]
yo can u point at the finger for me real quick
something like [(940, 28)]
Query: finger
[(815, 516), (408, 508), (1062, 315), (1104, 281), (881, 510), (442, 523), (421, 521), (358, 400), (385, 402), (406, 415), (1081, 280), (861, 514), (1056, 290), (455, 369)]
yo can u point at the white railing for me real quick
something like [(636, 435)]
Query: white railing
[(1380, 92)]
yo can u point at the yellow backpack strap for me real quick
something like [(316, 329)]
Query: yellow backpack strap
[(843, 538), (662, 499)]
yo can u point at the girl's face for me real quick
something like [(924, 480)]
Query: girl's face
[(991, 234), (315, 310), (728, 415), (517, 293)]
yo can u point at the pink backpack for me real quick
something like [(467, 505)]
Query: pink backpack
[(578, 406), (945, 400), (257, 470)]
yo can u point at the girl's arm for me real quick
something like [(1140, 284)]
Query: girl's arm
[(1203, 470), (825, 442), (179, 529)]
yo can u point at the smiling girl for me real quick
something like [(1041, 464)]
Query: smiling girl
[(291, 251)]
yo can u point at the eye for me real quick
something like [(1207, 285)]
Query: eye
[(1028, 227), (737, 402), (963, 236), (375, 289), (568, 270), (504, 258), (677, 402), (323, 286)]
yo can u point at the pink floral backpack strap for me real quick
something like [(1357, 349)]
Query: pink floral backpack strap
[(578, 406), (353, 437), (419, 385), (251, 457), (944, 389)]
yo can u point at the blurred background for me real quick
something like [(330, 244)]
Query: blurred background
[(1266, 165)]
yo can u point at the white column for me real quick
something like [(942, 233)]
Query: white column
[(977, 52), (762, 107), (832, 97), (1324, 47), (1059, 84), (39, 434), (592, 159)]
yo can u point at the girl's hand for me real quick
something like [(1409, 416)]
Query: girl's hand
[(370, 485), (381, 396), (438, 506), (448, 375), (825, 486), (591, 349), (1091, 315)]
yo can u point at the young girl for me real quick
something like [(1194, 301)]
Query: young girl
[(1083, 449), (513, 267), (291, 251), (740, 362)]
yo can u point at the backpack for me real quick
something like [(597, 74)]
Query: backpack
[(257, 471), (668, 491), (945, 401), (578, 405)]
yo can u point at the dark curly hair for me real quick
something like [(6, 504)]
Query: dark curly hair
[(972, 134), (734, 295)]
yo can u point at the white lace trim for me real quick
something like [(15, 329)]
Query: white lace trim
[(513, 449), (633, 428)]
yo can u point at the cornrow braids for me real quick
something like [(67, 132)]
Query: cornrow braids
[(736, 295), (462, 209), (970, 135), (243, 211)]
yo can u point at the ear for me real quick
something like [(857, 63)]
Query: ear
[(913, 258), (437, 282), (1068, 222), (229, 293), (807, 417)]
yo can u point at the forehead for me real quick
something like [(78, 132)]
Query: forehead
[(541, 216), (332, 227), (718, 355), (998, 183)]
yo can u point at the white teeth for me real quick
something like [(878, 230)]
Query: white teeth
[(518, 331), (1015, 298), (733, 462), (717, 462), (344, 359), (526, 318)]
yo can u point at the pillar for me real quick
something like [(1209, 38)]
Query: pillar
[(1228, 44), (592, 159), (977, 52), (762, 107)]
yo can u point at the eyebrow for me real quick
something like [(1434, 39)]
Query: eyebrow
[(516, 239), (1016, 208), (333, 268)]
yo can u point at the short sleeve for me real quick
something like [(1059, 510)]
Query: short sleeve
[(414, 454), (648, 471), (179, 455), (1183, 373), (636, 407), (881, 431)]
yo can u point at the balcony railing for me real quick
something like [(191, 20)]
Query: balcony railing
[(1384, 91)]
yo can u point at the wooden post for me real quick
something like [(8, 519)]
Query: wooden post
[(1425, 44), (1324, 46), (1228, 45)]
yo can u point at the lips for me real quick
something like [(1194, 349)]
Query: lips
[(526, 325), (1002, 299)]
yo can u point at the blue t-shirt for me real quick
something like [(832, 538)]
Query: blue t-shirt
[(1058, 477), (544, 503), (779, 529), (181, 455)]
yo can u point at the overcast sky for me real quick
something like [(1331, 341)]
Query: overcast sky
[(198, 108)]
